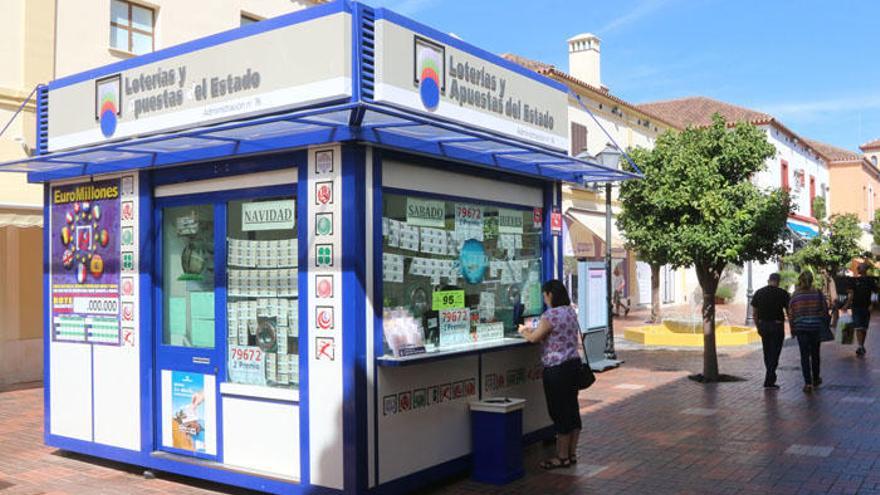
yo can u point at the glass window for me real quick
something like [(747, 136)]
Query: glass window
[(456, 272), (262, 292), (188, 276), (131, 27)]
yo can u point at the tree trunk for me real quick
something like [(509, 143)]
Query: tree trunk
[(708, 277), (655, 294)]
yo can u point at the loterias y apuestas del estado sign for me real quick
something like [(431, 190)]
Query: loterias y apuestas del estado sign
[(178, 88), (164, 89)]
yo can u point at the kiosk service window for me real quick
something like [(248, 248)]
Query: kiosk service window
[(456, 273)]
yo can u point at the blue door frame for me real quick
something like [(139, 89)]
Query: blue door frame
[(191, 359)]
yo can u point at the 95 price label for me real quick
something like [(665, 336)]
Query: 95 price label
[(96, 305), (447, 299)]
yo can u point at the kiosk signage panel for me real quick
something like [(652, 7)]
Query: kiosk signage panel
[(246, 76), (438, 77)]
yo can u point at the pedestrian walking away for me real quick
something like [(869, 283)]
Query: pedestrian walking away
[(808, 315), (858, 300), (770, 303), (559, 334)]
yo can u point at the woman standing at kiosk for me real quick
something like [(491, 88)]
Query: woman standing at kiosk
[(559, 333)]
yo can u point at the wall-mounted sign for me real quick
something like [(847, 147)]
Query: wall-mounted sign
[(242, 77), (268, 215), (447, 78)]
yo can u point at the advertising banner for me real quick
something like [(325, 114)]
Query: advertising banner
[(85, 262), (188, 404)]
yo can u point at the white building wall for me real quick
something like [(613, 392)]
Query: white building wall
[(83, 31)]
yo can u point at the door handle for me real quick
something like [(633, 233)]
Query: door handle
[(201, 360)]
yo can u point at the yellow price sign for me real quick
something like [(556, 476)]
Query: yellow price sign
[(447, 299)]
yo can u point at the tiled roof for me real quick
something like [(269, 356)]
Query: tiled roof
[(870, 145), (698, 110), (833, 153), (551, 71)]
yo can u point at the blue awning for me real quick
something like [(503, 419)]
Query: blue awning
[(381, 125), (804, 231)]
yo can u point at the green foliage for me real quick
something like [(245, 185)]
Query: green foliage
[(820, 208), (788, 279), (830, 251), (724, 292), (698, 207), (875, 227)]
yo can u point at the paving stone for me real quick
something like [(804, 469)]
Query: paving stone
[(629, 386), (700, 411), (857, 400), (809, 450)]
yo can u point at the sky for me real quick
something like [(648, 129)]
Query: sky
[(814, 65)]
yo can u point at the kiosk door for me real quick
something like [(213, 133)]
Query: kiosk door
[(188, 361)]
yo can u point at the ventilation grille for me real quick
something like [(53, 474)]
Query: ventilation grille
[(42, 120), (368, 52)]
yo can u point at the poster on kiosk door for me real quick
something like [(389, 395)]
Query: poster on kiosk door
[(85, 259)]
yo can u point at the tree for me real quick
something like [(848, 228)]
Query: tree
[(875, 227), (830, 251), (642, 219), (712, 214)]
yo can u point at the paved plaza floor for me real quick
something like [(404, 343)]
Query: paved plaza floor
[(648, 429)]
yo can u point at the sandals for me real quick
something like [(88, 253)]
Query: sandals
[(555, 463)]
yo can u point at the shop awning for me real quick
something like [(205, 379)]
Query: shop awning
[(595, 223), (803, 231), (19, 220), (381, 125), (577, 240)]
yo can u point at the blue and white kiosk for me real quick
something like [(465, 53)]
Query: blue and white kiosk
[(286, 257)]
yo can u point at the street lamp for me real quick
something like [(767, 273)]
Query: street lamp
[(609, 157)]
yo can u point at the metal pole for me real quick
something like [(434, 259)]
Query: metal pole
[(749, 294), (609, 335)]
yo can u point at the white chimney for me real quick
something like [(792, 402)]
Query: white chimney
[(584, 58)]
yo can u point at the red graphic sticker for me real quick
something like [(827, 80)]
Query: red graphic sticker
[(128, 312), (128, 210), (458, 390), (324, 193), (470, 388), (325, 349), (324, 317), (537, 217), (404, 401), (128, 337), (324, 286), (127, 286), (556, 222), (445, 392)]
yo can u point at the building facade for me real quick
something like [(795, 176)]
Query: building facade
[(42, 40), (856, 182), (596, 117)]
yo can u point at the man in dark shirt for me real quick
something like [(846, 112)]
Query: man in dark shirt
[(770, 304), (859, 301)]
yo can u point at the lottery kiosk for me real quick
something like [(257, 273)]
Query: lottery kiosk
[(288, 256)]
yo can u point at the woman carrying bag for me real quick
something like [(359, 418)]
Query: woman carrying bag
[(564, 370), (808, 314)]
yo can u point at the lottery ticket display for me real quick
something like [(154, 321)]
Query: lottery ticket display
[(481, 260), (262, 302)]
